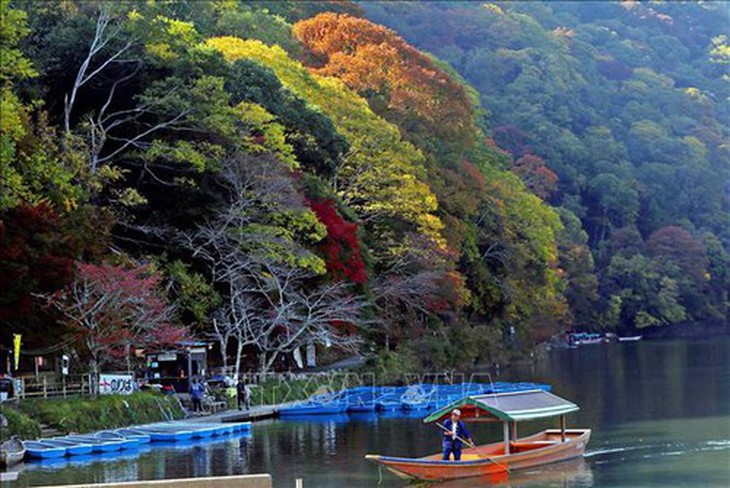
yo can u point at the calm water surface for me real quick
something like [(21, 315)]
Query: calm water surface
[(660, 414)]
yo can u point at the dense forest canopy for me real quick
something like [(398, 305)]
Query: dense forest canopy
[(616, 112), (270, 175)]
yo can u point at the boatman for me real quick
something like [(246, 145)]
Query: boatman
[(455, 434)]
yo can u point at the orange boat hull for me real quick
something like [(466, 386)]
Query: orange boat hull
[(490, 460)]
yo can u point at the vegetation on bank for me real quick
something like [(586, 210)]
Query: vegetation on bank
[(87, 414), (18, 424)]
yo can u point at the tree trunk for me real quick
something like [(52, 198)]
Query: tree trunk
[(268, 362), (94, 375), (239, 354), (224, 354)]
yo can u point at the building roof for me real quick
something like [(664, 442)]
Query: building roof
[(514, 406)]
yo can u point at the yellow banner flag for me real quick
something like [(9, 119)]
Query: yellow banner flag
[(16, 350)]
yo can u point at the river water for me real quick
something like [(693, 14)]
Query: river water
[(660, 414)]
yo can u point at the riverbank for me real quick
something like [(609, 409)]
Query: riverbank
[(87, 414), (17, 423)]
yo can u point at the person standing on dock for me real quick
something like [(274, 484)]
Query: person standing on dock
[(454, 431), (196, 394), (242, 394)]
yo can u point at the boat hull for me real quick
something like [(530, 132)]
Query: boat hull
[(12, 452), (72, 448), (36, 450), (529, 452), (312, 410), (630, 339), (167, 435), (99, 445)]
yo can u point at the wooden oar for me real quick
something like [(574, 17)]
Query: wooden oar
[(470, 444)]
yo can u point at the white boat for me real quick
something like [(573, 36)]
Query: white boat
[(630, 338), (12, 452)]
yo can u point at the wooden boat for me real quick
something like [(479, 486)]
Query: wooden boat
[(12, 452), (39, 450), (499, 458), (630, 338)]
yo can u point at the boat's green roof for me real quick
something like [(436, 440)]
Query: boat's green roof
[(515, 406)]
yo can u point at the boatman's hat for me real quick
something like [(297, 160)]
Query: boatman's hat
[(456, 411)]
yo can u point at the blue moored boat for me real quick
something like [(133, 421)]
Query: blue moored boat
[(127, 442), (100, 445), (142, 438), (159, 434), (241, 426), (39, 450), (314, 408), (73, 448)]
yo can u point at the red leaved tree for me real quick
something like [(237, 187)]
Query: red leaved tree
[(680, 247), (341, 247), (113, 308), (538, 178)]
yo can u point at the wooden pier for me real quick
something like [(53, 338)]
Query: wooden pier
[(253, 414)]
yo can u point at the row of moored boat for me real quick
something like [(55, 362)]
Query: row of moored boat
[(127, 438), (421, 396)]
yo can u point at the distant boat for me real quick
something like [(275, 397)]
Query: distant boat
[(586, 338), (630, 338), (12, 452)]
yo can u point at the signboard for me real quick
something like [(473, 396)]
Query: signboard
[(116, 384), (16, 350), (65, 359)]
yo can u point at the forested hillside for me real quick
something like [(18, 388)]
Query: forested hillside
[(273, 175), (616, 112)]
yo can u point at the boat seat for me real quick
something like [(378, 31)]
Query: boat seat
[(529, 445)]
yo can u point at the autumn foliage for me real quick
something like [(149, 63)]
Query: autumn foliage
[(110, 308), (370, 58), (675, 244), (341, 247), (533, 172)]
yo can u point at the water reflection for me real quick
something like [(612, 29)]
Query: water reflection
[(575, 472)]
